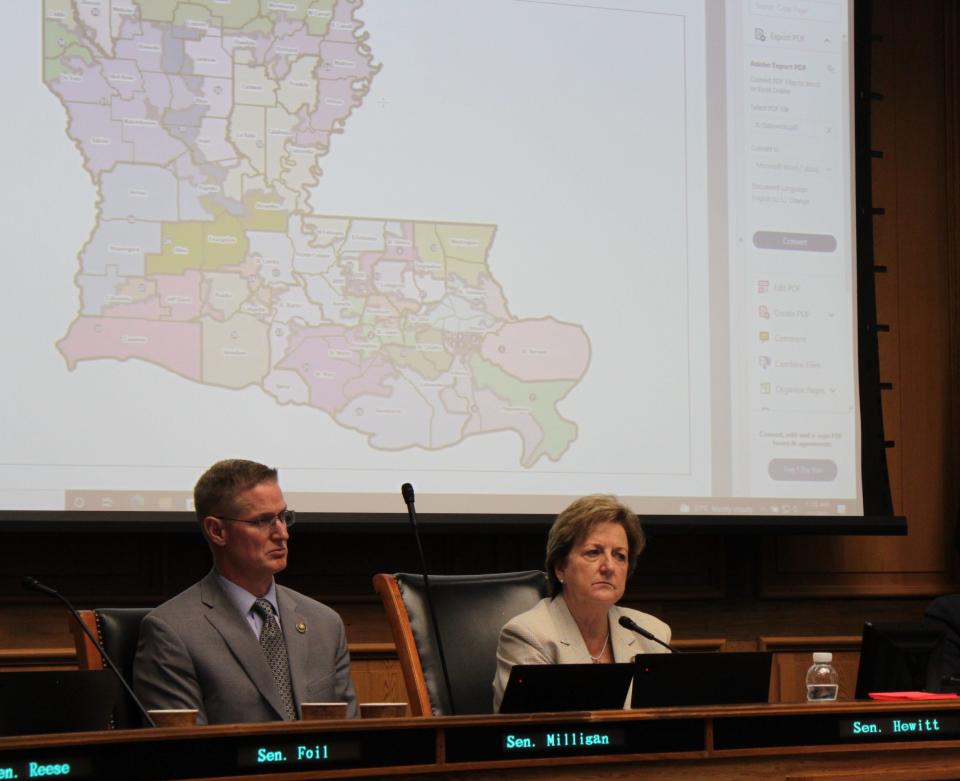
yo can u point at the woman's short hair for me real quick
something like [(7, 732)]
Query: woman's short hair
[(576, 522)]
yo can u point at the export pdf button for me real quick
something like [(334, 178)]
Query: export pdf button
[(796, 242), (815, 470)]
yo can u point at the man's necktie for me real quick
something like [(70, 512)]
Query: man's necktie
[(275, 649)]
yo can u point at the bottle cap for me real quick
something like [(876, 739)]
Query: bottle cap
[(822, 657)]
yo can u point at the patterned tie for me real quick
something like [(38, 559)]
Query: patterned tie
[(275, 649)]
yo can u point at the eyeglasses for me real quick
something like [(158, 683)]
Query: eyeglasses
[(286, 517)]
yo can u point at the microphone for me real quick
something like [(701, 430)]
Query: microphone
[(32, 584), (406, 490), (628, 623)]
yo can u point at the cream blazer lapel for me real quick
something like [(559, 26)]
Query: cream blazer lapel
[(570, 646), (240, 639)]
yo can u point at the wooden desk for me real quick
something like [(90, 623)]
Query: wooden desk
[(838, 742)]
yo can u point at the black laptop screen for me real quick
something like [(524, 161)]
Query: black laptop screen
[(541, 688)]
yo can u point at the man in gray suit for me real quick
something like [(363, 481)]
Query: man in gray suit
[(236, 646)]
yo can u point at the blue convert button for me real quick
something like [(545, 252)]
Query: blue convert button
[(817, 470)]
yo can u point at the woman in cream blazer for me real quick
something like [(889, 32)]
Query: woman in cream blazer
[(592, 550)]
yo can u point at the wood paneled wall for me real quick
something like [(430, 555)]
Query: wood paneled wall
[(742, 589)]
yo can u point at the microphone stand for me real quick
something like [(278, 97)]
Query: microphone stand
[(32, 584), (407, 491), (628, 623)]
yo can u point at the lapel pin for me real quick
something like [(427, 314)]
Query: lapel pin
[(301, 627)]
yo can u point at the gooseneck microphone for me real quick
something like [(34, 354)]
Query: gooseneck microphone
[(628, 623), (406, 490), (32, 584)]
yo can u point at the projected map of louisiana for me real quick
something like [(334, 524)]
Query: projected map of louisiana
[(202, 126)]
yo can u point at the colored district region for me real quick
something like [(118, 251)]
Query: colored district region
[(201, 125)]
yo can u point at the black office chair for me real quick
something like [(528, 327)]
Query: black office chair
[(471, 610), (118, 630), (944, 613)]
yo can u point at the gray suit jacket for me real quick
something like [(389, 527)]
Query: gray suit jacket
[(547, 634), (197, 651)]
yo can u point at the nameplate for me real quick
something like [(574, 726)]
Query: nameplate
[(210, 755), (581, 741), (905, 726), (824, 728), (300, 754), (565, 739), (47, 767)]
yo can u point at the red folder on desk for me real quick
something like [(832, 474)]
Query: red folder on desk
[(900, 696)]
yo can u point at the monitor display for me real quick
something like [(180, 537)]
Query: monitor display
[(541, 688), (510, 251), (899, 657), (680, 679)]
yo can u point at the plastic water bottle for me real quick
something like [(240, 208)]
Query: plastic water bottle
[(822, 678)]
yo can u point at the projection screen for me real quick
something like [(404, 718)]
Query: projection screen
[(510, 251)]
